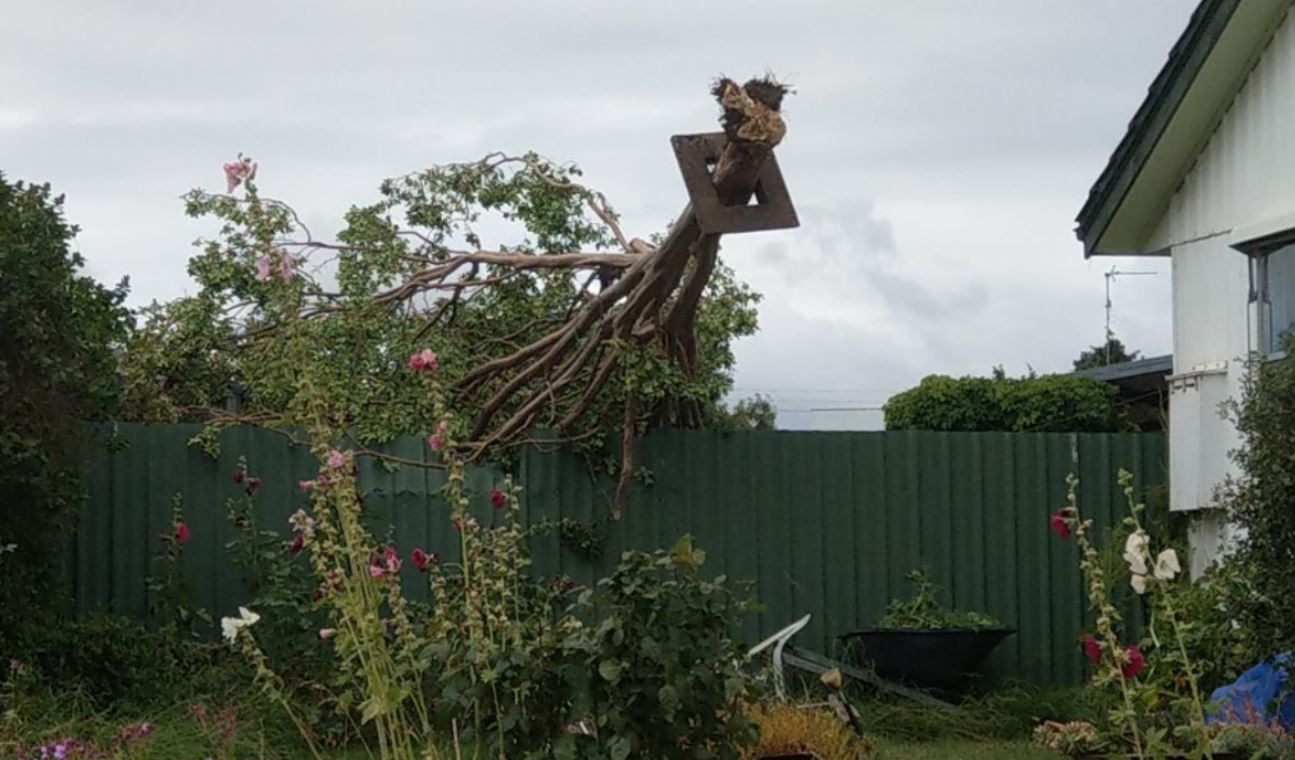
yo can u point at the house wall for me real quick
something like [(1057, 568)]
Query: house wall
[(1244, 178)]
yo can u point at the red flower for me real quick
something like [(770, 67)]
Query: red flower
[(253, 483), (1060, 522), (317, 594), (1136, 664), (425, 360), (1092, 649), (298, 543), (181, 533), (497, 498), (239, 474), (419, 558)]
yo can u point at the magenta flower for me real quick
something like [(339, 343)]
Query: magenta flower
[(336, 459), (419, 558), (239, 474), (1092, 648), (392, 559), (497, 498), (376, 571), (1059, 522), (263, 266), (298, 543), (437, 439), (326, 633), (181, 533), (305, 485), (1136, 664)]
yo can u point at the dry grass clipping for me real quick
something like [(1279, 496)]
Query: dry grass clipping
[(789, 730)]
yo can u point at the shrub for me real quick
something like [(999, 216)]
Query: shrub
[(668, 682), (1261, 502), (1048, 403), (56, 374)]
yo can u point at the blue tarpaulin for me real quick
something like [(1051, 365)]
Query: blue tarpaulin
[(1254, 696)]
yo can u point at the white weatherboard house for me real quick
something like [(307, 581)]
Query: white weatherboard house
[(1206, 176)]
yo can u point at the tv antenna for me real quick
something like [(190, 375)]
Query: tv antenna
[(1110, 277)]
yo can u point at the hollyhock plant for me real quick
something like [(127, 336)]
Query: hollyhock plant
[(437, 439), (181, 533), (497, 498), (391, 558), (286, 268), (298, 543), (239, 475), (336, 459), (419, 558), (253, 483)]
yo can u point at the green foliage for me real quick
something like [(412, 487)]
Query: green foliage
[(755, 413), (924, 612), (192, 354), (56, 374), (1111, 352), (1047, 403), (668, 682), (1261, 502)]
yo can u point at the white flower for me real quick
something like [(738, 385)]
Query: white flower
[(1167, 566), (1135, 552), (229, 626), (1139, 583), (302, 523)]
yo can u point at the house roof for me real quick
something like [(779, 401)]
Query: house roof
[(1114, 373), (1184, 104)]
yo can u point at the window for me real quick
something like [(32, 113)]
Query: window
[(1272, 297)]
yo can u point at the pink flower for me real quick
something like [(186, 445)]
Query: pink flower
[(392, 559), (425, 360), (376, 571), (285, 267), (326, 633), (435, 442), (1092, 649), (1060, 522), (263, 266), (237, 172), (1136, 664), (181, 533), (336, 459), (305, 485), (497, 498), (419, 558), (253, 483)]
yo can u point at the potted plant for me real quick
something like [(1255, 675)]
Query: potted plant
[(922, 643)]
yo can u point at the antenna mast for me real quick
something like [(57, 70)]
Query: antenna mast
[(1110, 277)]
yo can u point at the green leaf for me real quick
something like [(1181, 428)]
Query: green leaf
[(610, 670)]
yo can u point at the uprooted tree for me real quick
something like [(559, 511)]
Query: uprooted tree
[(576, 328)]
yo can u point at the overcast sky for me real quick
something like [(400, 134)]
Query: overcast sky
[(937, 152)]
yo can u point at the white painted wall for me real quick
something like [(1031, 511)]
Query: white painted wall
[(1244, 178)]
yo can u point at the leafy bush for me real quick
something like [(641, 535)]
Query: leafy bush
[(1261, 502), (1048, 403), (924, 612), (56, 374), (107, 657), (668, 681)]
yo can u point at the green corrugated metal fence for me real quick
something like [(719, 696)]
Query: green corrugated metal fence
[(825, 523)]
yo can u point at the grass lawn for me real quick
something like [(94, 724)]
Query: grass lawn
[(961, 750)]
